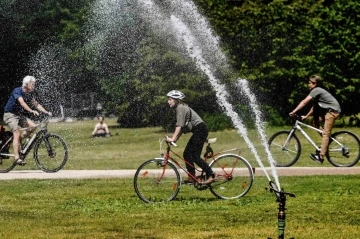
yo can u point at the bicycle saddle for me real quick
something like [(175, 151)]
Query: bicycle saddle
[(211, 141)]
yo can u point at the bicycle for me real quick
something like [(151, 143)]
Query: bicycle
[(285, 147), (159, 179), (50, 150)]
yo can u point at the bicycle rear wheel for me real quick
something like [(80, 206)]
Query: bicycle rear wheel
[(234, 176), (285, 152), (344, 151), (7, 163), (154, 182), (51, 153)]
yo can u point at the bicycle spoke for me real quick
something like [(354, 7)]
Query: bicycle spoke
[(234, 176), (51, 153), (344, 151), (153, 183), (284, 151)]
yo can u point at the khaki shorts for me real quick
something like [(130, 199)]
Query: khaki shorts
[(14, 121)]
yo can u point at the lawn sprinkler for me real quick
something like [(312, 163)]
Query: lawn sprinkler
[(281, 199)]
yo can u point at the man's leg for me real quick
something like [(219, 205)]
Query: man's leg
[(27, 123), (12, 121), (330, 118), (16, 143)]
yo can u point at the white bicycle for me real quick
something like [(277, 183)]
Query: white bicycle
[(285, 146)]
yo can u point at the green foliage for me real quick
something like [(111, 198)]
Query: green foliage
[(217, 121), (275, 44), (139, 94), (272, 116), (278, 44)]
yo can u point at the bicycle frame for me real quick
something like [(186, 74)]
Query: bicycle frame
[(167, 158), (25, 149), (297, 126)]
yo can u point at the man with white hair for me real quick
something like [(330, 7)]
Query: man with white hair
[(15, 109)]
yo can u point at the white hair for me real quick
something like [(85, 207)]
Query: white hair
[(27, 79)]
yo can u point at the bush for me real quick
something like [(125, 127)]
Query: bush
[(217, 121)]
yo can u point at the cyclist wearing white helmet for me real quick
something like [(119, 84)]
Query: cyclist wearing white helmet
[(187, 120), (16, 110)]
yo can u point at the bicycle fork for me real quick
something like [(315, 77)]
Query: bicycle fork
[(49, 149)]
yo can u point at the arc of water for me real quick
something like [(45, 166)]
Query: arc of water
[(184, 34), (201, 29), (244, 87)]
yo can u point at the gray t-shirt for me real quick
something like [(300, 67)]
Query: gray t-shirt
[(183, 116), (324, 99)]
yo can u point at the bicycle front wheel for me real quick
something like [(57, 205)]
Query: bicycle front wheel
[(284, 149), (156, 182), (51, 153), (234, 176), (6, 164), (344, 149)]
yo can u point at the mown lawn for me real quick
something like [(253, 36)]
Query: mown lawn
[(325, 206)]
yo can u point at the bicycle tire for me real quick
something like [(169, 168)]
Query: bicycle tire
[(6, 164), (51, 153), (336, 154), (154, 184), (284, 155), (234, 176)]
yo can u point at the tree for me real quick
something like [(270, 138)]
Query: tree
[(278, 44)]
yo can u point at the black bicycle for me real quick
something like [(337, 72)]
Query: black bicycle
[(50, 150)]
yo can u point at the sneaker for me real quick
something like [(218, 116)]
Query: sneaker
[(209, 179), (188, 181), (316, 158), (345, 152), (20, 162)]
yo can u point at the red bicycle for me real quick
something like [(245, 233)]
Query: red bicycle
[(159, 179)]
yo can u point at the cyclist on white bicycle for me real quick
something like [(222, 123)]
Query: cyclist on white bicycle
[(326, 108), (16, 109)]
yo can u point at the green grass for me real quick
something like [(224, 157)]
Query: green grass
[(325, 206), (128, 148)]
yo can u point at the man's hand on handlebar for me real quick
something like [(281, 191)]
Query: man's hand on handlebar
[(35, 112), (296, 116)]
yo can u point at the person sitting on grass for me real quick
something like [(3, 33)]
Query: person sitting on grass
[(101, 128)]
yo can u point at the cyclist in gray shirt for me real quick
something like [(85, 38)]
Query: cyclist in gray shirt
[(325, 108), (187, 120)]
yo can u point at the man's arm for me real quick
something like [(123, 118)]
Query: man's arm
[(311, 111), (106, 128), (40, 107), (95, 129), (302, 104), (26, 107)]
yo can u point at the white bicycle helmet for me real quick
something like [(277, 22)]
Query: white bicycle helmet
[(175, 94)]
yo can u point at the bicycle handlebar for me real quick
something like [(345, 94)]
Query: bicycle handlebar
[(43, 121), (296, 117), (172, 143)]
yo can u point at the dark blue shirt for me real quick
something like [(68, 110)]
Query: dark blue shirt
[(13, 105)]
